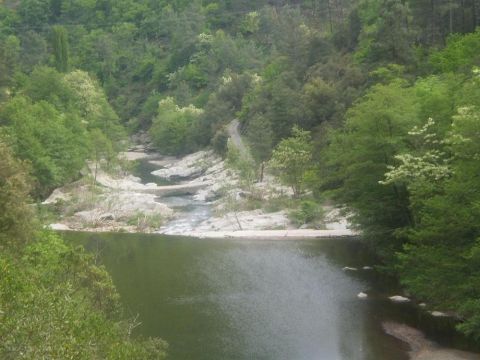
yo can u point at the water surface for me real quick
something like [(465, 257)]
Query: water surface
[(215, 299)]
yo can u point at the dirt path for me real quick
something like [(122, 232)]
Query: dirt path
[(237, 141)]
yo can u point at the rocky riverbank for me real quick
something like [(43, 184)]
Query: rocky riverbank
[(421, 347), (104, 201)]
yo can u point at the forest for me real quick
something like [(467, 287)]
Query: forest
[(382, 95)]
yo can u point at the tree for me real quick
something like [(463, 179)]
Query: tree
[(15, 214), (291, 158), (93, 106), (441, 261), (386, 35), (60, 48), (172, 129), (460, 53), (359, 154), (58, 304), (9, 58), (54, 144), (101, 149)]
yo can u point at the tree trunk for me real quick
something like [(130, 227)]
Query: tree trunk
[(475, 15), (262, 169), (238, 221), (95, 175), (330, 15), (450, 15), (432, 21)]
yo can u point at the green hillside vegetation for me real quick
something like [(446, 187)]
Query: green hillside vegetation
[(384, 93), (55, 301)]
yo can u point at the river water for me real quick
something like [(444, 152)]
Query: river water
[(249, 300), (225, 299)]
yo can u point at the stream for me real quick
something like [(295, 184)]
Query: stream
[(190, 212)]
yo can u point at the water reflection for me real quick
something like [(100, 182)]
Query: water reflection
[(246, 300)]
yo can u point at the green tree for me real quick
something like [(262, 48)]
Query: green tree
[(292, 158), (101, 149), (9, 58), (15, 223), (359, 154), (56, 145), (440, 264), (260, 138), (60, 48), (386, 35), (171, 130), (94, 108), (56, 303)]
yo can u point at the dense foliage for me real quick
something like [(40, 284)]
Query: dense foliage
[(55, 302), (49, 121), (388, 89)]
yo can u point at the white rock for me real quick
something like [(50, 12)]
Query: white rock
[(347, 268), (249, 220), (367, 268), (335, 220), (59, 227), (134, 155), (399, 299), (422, 305), (192, 165), (438, 314), (128, 204), (57, 195), (362, 295)]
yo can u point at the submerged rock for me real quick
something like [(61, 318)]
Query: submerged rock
[(362, 295), (438, 314), (399, 299)]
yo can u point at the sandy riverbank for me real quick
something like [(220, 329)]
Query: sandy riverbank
[(293, 234)]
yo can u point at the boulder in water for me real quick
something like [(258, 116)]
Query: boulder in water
[(399, 299), (438, 314), (362, 295)]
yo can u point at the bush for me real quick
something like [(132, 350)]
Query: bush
[(244, 166), (57, 304), (220, 142), (172, 129), (308, 212)]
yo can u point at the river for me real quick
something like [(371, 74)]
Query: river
[(269, 300), (224, 299)]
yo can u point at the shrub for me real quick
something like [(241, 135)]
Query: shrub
[(308, 212)]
